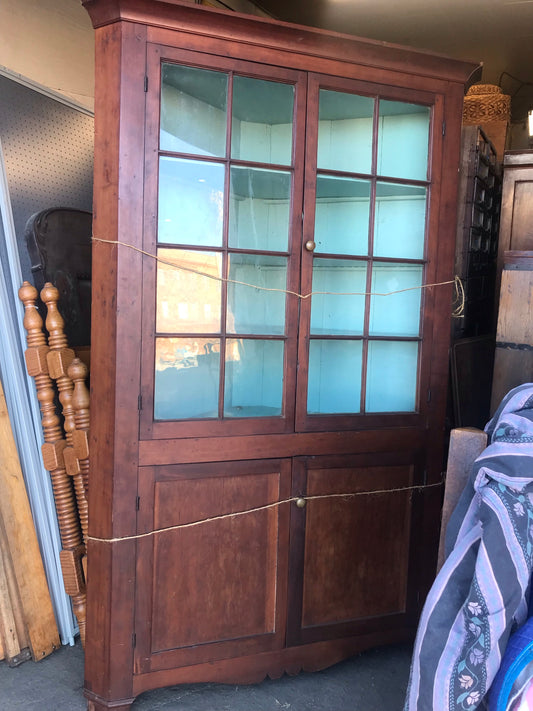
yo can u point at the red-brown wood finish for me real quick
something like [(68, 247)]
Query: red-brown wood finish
[(283, 586)]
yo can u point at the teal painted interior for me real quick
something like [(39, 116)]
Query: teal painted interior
[(345, 125), (391, 376), (190, 367), (403, 140), (342, 215), (193, 110), (334, 377), (257, 311), (254, 378), (396, 314), (334, 313), (191, 202), (261, 127), (400, 221), (370, 215), (259, 209)]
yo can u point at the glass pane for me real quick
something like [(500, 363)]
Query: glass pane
[(261, 128), (186, 378), (257, 311), (193, 110), (391, 376), (334, 376), (191, 202), (397, 314), (342, 215), (336, 313), (400, 221), (254, 378), (403, 140), (188, 302), (259, 209), (345, 132)]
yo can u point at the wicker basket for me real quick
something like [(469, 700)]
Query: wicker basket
[(485, 103)]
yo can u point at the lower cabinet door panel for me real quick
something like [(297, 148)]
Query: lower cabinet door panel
[(212, 579), (350, 546)]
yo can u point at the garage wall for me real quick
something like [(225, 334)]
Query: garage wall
[(50, 42)]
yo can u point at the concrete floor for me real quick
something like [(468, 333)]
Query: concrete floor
[(373, 681)]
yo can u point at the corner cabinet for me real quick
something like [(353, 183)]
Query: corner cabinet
[(269, 360)]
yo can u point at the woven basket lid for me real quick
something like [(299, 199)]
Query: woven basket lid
[(486, 103)]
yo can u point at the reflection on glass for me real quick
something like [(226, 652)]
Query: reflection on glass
[(186, 301), (397, 314), (400, 221), (193, 110), (254, 378), (257, 311), (261, 128), (259, 209), (391, 376), (403, 137), (334, 377), (342, 215), (186, 378), (335, 313), (345, 132), (191, 202)]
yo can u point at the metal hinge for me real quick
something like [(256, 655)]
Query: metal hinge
[(444, 128), (140, 402), (133, 640), (137, 503), (428, 399), (145, 83)]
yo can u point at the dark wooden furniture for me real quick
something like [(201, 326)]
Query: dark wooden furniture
[(290, 159), (512, 361), (473, 332), (516, 221), (58, 240)]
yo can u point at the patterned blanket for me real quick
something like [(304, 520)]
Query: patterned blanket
[(481, 593)]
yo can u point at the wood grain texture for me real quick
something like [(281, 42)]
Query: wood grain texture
[(31, 586), (164, 609), (513, 358), (38, 364)]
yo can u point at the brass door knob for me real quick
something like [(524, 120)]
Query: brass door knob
[(310, 245)]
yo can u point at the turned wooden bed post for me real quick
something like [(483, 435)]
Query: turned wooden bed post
[(38, 366), (78, 372)]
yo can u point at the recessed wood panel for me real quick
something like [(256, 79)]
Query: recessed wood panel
[(217, 558), (356, 548), (350, 559), (225, 585)]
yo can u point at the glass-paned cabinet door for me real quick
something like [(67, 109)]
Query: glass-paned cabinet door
[(229, 186), (365, 252)]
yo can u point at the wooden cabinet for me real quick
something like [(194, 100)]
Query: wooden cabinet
[(266, 463)]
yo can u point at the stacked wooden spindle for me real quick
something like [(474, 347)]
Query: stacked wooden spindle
[(65, 450)]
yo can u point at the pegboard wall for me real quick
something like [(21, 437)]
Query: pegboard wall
[(48, 154)]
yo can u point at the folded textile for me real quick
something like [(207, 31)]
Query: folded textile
[(481, 593)]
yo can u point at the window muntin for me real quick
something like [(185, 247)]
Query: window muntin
[(371, 203), (225, 184)]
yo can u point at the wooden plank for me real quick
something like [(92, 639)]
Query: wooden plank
[(513, 358), (12, 590), (516, 293), (466, 444), (15, 511), (8, 629)]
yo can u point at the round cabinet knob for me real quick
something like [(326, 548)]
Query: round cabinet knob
[(310, 245), (300, 502)]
